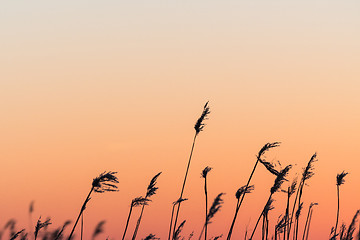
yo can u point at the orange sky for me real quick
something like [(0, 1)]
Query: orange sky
[(91, 86)]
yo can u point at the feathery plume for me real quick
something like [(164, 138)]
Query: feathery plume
[(340, 178), (215, 207), (151, 189), (266, 148), (17, 234), (244, 189), (205, 171), (150, 237), (105, 182), (351, 228), (199, 125), (139, 201), (98, 229), (280, 179), (40, 225), (178, 230), (308, 170)]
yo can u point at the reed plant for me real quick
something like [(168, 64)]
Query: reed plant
[(339, 181), (204, 173), (98, 229), (199, 127), (105, 182), (150, 191)]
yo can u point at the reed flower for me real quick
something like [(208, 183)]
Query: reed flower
[(199, 125), (244, 189), (340, 178), (40, 225), (17, 234), (178, 230), (205, 171), (98, 229), (150, 191), (151, 237), (105, 182)]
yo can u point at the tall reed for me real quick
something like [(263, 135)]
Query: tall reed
[(199, 126), (139, 201), (204, 173), (339, 181), (308, 172), (265, 225), (281, 177), (105, 182), (150, 191), (290, 191), (268, 166)]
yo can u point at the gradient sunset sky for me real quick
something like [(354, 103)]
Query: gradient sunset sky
[(90, 86)]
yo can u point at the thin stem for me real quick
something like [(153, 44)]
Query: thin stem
[(183, 186), (287, 212), (82, 226), (338, 208), (206, 208), (81, 211), (127, 221), (307, 222), (171, 220), (241, 200), (308, 228), (138, 223)]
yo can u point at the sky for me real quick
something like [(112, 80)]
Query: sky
[(94, 86)]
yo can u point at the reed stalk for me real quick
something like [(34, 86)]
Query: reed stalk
[(150, 191), (199, 126)]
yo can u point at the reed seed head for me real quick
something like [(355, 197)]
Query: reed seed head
[(205, 171), (266, 148), (215, 207), (280, 179), (17, 234), (105, 182), (308, 170), (150, 237), (199, 125), (40, 225), (178, 230), (151, 189), (298, 211), (268, 207), (139, 201), (243, 190), (340, 178), (98, 229), (179, 201)]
